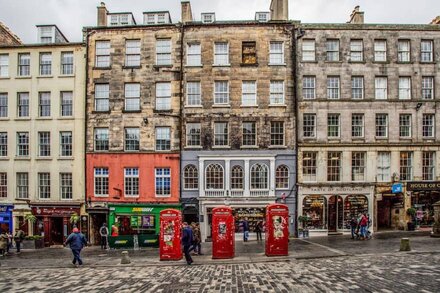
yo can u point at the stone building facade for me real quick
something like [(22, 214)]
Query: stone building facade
[(368, 107)]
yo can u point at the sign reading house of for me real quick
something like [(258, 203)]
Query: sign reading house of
[(423, 186)]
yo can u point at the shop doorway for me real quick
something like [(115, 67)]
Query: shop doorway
[(335, 213), (97, 220), (190, 215), (56, 231), (384, 214)]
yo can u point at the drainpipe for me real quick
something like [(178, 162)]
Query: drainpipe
[(182, 32)]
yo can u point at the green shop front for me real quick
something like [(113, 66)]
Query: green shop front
[(137, 225)]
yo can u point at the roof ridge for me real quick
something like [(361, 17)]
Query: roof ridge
[(11, 33)]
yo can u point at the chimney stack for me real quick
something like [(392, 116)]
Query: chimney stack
[(102, 15), (356, 17), (279, 10), (436, 20), (186, 11)]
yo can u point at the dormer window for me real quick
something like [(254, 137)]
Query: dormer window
[(157, 17), (262, 16), (49, 34), (208, 17), (46, 35), (121, 19), (161, 18)]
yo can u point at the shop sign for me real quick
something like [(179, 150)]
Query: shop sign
[(423, 186), (336, 190), (397, 188), (5, 209), (60, 212)]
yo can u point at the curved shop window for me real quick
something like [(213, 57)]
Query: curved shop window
[(315, 207), (354, 206)]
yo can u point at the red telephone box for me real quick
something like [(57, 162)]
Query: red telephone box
[(223, 233), (169, 238), (277, 230)]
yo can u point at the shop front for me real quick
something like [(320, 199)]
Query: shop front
[(423, 196), (330, 208), (135, 225), (54, 222), (391, 206), (190, 210), (6, 220)]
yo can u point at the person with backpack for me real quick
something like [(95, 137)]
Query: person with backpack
[(76, 241), (103, 232), (18, 238), (187, 241)]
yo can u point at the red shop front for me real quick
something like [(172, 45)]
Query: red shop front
[(53, 223)]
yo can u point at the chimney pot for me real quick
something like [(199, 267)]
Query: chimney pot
[(357, 16)]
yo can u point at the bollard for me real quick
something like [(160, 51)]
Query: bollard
[(404, 244), (125, 259)]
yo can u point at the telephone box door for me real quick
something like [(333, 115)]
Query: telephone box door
[(169, 238), (277, 230), (223, 233)]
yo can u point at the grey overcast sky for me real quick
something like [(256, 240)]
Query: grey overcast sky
[(21, 16)]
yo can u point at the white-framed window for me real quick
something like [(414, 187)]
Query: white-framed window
[(381, 125), (277, 92), (102, 92), (190, 177), (428, 125), (46, 34), (132, 96), (132, 138), (66, 185), (193, 134), (22, 144), (334, 166), (66, 63), (3, 105), (66, 104), (101, 181), (309, 84), (404, 51), (4, 65), (163, 96), (428, 166), (249, 93), (66, 143), (163, 181), (333, 125), (221, 134), (309, 125), (405, 125), (102, 54), (333, 84), (404, 88), (332, 50), (308, 50), (221, 53), (262, 16), (193, 93), (101, 139), (259, 177), (44, 144), (356, 51), (132, 53), (44, 104), (358, 163), (282, 177), (44, 185), (277, 133), (237, 175), (221, 92), (24, 64), (383, 166), (381, 88), (23, 104), (163, 52), (45, 63), (193, 54), (309, 166), (22, 185), (426, 52), (3, 185), (214, 177), (163, 138), (357, 125), (276, 53), (131, 182), (406, 166), (357, 87), (249, 136), (380, 50), (427, 87), (3, 144)]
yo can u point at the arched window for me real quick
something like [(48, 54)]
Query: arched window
[(190, 177), (214, 176), (282, 177), (237, 177), (259, 176)]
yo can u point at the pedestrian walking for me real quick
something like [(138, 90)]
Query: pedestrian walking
[(258, 230), (76, 241), (245, 224), (363, 224), (9, 234), (103, 231), (18, 238), (197, 243), (3, 243), (187, 240), (353, 226)]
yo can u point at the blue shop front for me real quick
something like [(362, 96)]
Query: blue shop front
[(6, 217)]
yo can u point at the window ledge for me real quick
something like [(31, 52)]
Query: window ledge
[(132, 67), (249, 106), (101, 68), (381, 138), (193, 147), (225, 147), (249, 64), (131, 196), (162, 111), (23, 77), (428, 62), (101, 196), (277, 147), (4, 119), (428, 139), (277, 64), (65, 158), (5, 77), (334, 139), (336, 61), (163, 196), (4, 159), (131, 111), (23, 119), (221, 65), (193, 106), (43, 159), (407, 139), (277, 105), (404, 62), (381, 62), (101, 112), (358, 139), (194, 66), (44, 118), (357, 62), (163, 66), (66, 75), (22, 158), (249, 147), (309, 61), (66, 118), (221, 106), (163, 151), (45, 76)]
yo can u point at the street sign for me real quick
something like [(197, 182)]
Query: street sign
[(397, 188)]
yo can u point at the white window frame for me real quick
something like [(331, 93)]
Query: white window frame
[(428, 128), (381, 88), (193, 54), (386, 126), (163, 52), (309, 171), (309, 88), (404, 88), (66, 144), (309, 125), (309, 50), (357, 87), (273, 134), (193, 94), (133, 53), (221, 57), (428, 165), (22, 185), (102, 135), (131, 182), (102, 97), (163, 96), (44, 184), (67, 63), (251, 136), (383, 167), (66, 104), (280, 173), (356, 50), (164, 177), (276, 53), (44, 147), (358, 166), (24, 64), (424, 52), (357, 130), (102, 52), (329, 125), (23, 148), (218, 172), (219, 93), (221, 135), (405, 125), (403, 51), (337, 158), (4, 65), (44, 104), (428, 87), (131, 139), (258, 172), (4, 105), (132, 96), (3, 144), (163, 138), (45, 64), (190, 177), (332, 50), (3, 184), (333, 87), (406, 166), (249, 93), (66, 186), (190, 127), (277, 92), (103, 176), (380, 51)]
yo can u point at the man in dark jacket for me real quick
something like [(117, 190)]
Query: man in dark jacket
[(187, 241), (77, 241)]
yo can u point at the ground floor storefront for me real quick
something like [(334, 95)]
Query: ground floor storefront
[(6, 219), (423, 196)]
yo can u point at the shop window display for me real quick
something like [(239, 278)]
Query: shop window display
[(134, 224), (423, 203), (354, 206), (253, 216), (315, 207)]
